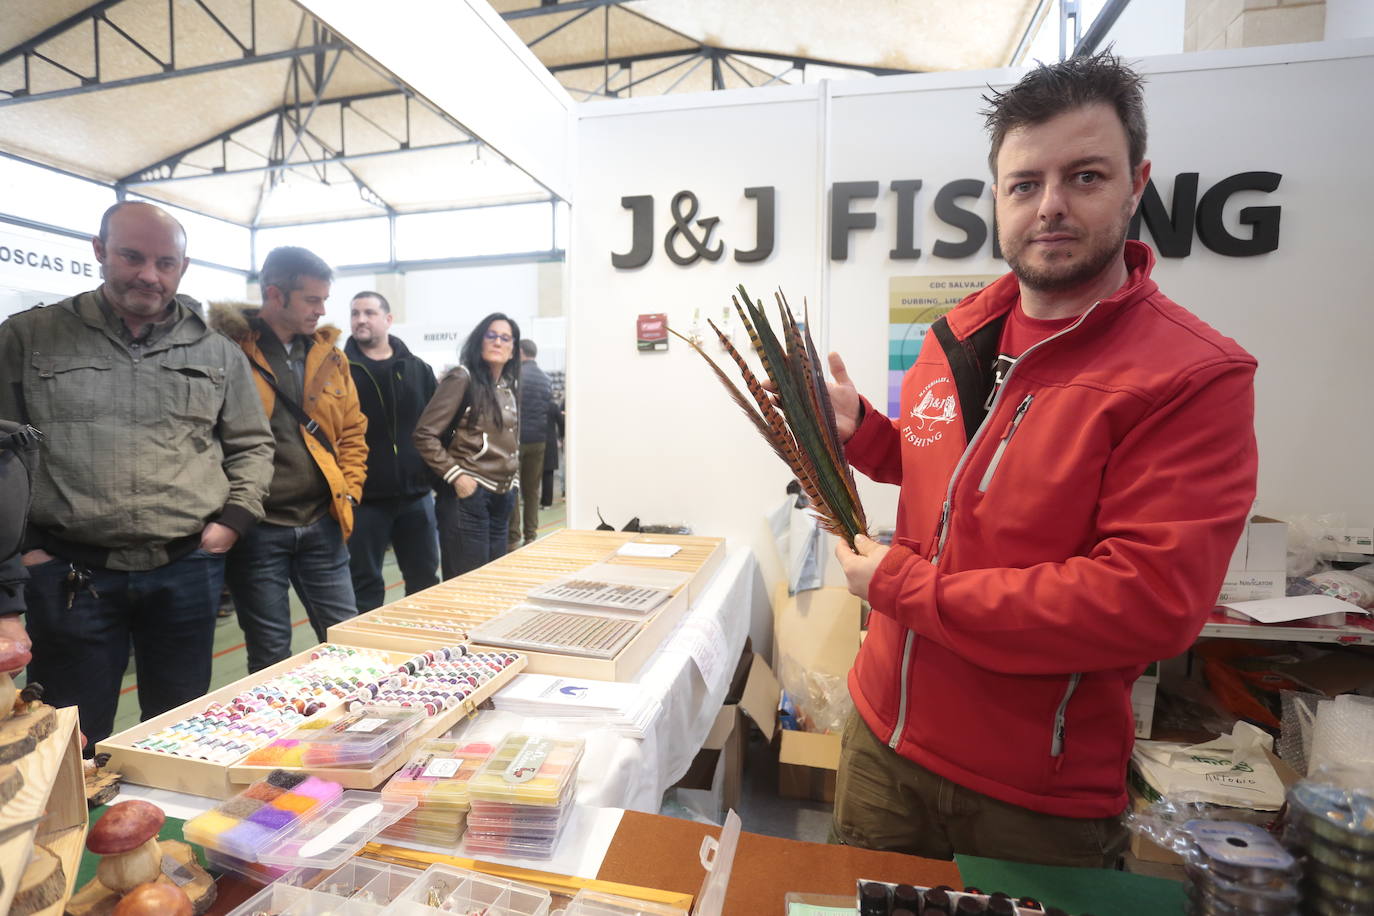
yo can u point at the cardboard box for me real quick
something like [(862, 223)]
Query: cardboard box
[(1245, 585), (1143, 693), (1259, 563), (807, 765), (815, 631), (1351, 540), (715, 779)]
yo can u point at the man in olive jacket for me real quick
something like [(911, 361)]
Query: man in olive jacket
[(320, 463), (156, 459)]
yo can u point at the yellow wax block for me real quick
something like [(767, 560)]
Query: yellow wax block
[(208, 825)]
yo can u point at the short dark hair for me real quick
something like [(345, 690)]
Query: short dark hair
[(285, 266), (1053, 89), (528, 348), (386, 306), (120, 205)]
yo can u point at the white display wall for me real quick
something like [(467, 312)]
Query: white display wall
[(652, 435)]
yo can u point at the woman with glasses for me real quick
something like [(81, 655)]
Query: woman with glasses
[(469, 435)]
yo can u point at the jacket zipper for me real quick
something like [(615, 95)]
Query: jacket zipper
[(948, 506), (1057, 739), (1002, 444)]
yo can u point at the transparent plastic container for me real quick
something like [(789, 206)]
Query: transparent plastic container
[(358, 739), (330, 839), (437, 776), (365, 881), (275, 898), (529, 770), (258, 874), (525, 813), (258, 816), (445, 889), (595, 903), (476, 845)]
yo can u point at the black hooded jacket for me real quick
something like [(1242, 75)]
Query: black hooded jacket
[(394, 468)]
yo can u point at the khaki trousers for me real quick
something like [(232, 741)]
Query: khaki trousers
[(885, 801), (524, 519)]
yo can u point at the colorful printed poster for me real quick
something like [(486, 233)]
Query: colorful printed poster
[(914, 303)]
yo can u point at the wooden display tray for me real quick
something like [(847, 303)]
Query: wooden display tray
[(53, 783), (243, 774), (481, 595), (211, 780)]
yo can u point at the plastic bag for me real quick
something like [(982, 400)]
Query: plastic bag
[(1230, 770), (1345, 585), (1309, 551)]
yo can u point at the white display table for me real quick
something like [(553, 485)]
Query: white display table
[(618, 772)]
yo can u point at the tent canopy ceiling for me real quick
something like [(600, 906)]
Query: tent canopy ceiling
[(254, 112), (247, 110), (609, 48)]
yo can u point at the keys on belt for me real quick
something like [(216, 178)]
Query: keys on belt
[(79, 580)]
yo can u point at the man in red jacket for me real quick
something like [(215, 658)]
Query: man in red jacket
[(1076, 457)]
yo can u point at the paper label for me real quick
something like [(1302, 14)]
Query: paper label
[(366, 725), (442, 768), (704, 640), (529, 761)]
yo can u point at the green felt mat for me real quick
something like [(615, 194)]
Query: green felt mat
[(1076, 890)]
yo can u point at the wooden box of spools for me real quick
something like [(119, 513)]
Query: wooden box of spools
[(454, 608), (42, 810), (211, 779)]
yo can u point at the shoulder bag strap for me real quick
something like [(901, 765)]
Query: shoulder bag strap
[(303, 418)]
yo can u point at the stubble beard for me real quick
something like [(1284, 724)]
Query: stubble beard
[(1064, 273)]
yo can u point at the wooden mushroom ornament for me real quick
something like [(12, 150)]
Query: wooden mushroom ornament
[(154, 899), (126, 840)]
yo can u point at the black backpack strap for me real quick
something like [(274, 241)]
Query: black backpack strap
[(304, 419), (970, 362)]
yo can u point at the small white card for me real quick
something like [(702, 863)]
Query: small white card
[(656, 551), (366, 725), (442, 768), (1302, 607)]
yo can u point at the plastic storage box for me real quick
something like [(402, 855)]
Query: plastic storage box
[(360, 738), (528, 770), (444, 889), (293, 820), (437, 778)]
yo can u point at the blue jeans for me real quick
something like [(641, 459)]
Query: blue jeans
[(472, 531), (80, 652), (313, 560), (408, 525)]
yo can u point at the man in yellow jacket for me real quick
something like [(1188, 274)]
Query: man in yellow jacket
[(308, 394)]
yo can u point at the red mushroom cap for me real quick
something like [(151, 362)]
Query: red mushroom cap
[(125, 826)]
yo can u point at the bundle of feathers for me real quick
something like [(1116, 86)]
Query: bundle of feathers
[(796, 417)]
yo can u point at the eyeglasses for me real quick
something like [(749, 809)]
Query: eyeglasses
[(496, 335)]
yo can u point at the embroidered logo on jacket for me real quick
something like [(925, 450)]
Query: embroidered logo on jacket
[(936, 407)]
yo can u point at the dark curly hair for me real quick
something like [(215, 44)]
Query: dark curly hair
[(1052, 89)]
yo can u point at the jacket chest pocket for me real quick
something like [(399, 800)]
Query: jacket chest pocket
[(195, 391), (71, 388)]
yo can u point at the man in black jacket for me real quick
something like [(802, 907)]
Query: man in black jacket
[(535, 398), (398, 504)]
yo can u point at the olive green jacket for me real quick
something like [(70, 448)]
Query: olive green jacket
[(144, 445)]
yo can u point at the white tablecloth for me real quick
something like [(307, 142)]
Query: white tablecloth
[(619, 772), (622, 772)]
